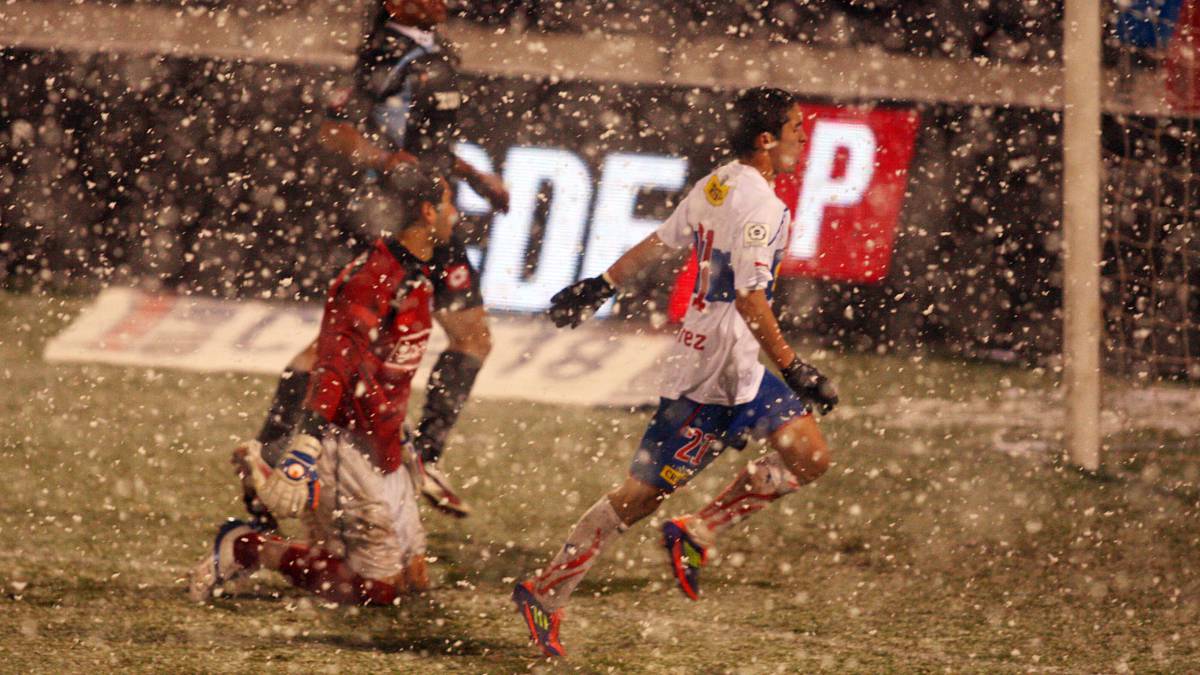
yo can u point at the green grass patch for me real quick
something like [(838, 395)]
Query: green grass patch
[(923, 550)]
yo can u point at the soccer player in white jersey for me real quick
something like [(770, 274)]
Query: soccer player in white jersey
[(717, 393)]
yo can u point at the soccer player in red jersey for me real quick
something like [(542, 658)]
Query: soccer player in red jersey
[(400, 106), (349, 472)]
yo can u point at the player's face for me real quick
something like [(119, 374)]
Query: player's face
[(420, 13), (791, 142), (446, 217)]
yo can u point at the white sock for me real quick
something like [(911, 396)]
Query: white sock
[(597, 527), (760, 483)]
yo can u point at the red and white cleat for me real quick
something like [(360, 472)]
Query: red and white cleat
[(437, 489)]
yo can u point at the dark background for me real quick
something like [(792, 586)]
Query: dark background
[(202, 176)]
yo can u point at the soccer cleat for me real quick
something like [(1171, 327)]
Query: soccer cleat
[(219, 567), (687, 556), (247, 459), (542, 625), (436, 488)]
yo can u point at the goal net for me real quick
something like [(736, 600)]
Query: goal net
[(1151, 259)]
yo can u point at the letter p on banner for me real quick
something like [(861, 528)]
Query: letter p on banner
[(847, 192)]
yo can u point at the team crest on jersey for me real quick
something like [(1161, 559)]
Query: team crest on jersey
[(409, 351), (716, 190), (458, 277), (756, 234)]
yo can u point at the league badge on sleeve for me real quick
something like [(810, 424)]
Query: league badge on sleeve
[(756, 234), (716, 190)]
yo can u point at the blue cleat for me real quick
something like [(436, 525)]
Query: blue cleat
[(542, 625), (687, 556)]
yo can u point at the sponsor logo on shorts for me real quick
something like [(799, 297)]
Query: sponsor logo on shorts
[(672, 475)]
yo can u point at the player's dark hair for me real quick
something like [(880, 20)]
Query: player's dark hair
[(413, 185), (755, 111)]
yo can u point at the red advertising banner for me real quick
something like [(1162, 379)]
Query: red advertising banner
[(1183, 74), (845, 197), (846, 193)]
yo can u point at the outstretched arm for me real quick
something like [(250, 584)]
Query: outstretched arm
[(575, 303), (645, 252), (346, 140)]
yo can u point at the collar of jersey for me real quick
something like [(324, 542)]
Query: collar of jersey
[(746, 168), (425, 38), (401, 254)]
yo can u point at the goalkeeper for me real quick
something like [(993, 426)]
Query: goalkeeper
[(717, 391), (402, 104), (349, 470)]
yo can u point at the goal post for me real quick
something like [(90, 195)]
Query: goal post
[(1081, 222)]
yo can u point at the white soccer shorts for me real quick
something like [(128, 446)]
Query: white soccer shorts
[(364, 516)]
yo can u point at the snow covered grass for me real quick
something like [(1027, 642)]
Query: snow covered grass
[(924, 549)]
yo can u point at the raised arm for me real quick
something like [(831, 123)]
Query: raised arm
[(345, 139)]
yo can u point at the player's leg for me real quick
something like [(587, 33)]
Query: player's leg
[(286, 406), (540, 600), (240, 550), (677, 445), (289, 396), (798, 455), (367, 541), (460, 313)]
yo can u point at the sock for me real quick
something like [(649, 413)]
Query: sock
[(761, 482), (450, 383), (328, 576), (285, 407), (553, 587), (246, 549)]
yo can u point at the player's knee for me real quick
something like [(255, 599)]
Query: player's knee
[(634, 500), (803, 448), (481, 342), (477, 341)]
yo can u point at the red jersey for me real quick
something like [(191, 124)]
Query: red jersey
[(373, 334)]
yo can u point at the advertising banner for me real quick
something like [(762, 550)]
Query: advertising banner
[(595, 364), (575, 210)]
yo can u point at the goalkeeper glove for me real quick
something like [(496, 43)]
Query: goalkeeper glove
[(575, 303), (810, 385), (294, 485)]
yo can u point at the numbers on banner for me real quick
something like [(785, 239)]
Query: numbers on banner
[(586, 356)]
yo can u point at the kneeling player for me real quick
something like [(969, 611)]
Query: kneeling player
[(719, 391), (348, 470)]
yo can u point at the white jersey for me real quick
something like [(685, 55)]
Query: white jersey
[(739, 229)]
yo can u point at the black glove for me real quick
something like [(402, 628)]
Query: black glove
[(810, 385), (573, 304)]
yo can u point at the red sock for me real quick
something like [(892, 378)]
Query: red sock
[(328, 576), (246, 548)]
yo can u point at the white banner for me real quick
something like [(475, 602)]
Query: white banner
[(531, 360)]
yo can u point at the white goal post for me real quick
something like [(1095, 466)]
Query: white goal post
[(1081, 222)]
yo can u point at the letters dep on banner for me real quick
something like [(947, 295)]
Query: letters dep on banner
[(845, 197)]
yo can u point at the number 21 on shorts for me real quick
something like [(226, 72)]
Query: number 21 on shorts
[(697, 446)]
